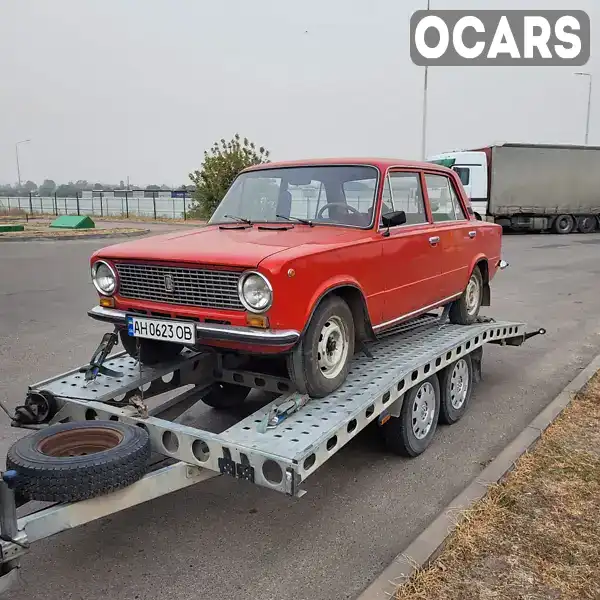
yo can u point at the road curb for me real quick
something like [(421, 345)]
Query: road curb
[(97, 236), (428, 545)]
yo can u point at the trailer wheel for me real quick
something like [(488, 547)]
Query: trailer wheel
[(76, 461), (411, 433), (465, 310), (456, 384), (563, 224), (587, 224), (152, 352), (222, 395)]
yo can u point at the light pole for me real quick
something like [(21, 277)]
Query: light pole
[(424, 125), (17, 155), (589, 106)]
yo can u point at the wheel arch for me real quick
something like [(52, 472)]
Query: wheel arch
[(482, 263), (353, 295)]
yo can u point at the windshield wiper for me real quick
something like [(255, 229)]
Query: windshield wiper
[(303, 221), (238, 219)]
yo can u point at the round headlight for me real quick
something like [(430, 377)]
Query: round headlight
[(104, 278), (256, 292)]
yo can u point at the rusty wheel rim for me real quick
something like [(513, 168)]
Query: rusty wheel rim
[(80, 442)]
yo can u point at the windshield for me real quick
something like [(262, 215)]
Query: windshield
[(332, 195)]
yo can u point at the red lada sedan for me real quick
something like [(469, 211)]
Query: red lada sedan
[(303, 260)]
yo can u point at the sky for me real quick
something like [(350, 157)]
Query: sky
[(110, 89)]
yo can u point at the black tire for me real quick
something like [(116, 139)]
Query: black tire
[(59, 478), (152, 352), (398, 432), (303, 361), (456, 385), (587, 224), (563, 224), (465, 310), (222, 395)]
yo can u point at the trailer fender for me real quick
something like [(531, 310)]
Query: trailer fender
[(395, 409)]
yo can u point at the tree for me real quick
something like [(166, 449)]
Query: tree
[(47, 188), (221, 165), (29, 187)]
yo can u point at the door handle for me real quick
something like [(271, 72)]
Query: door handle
[(434, 240), (472, 234)]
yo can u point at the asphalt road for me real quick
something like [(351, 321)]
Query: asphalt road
[(226, 539)]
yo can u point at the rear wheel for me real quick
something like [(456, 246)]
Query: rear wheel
[(563, 224), (456, 383), (320, 362), (151, 351), (226, 395), (465, 310), (411, 433), (587, 224)]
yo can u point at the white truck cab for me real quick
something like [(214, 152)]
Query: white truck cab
[(472, 168)]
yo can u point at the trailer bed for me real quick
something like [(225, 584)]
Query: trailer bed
[(283, 457)]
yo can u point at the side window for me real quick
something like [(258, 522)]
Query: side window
[(444, 203), (407, 196), (458, 209), (386, 197), (464, 173)]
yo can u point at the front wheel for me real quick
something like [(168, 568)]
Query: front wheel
[(320, 362), (223, 396), (465, 310)]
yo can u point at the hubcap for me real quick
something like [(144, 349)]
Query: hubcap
[(423, 411), (332, 349), (459, 384), (473, 294)]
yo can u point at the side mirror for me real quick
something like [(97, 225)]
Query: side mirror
[(394, 218)]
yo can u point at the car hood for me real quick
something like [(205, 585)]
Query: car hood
[(227, 247)]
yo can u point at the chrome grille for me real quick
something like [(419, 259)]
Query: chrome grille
[(205, 288)]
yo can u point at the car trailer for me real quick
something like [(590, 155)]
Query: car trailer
[(405, 381)]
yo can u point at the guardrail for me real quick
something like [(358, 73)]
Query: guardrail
[(128, 204)]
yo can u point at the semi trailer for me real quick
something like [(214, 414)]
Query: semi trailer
[(535, 187)]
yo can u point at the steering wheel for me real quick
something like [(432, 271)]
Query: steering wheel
[(340, 204)]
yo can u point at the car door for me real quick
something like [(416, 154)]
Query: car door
[(455, 231), (411, 252)]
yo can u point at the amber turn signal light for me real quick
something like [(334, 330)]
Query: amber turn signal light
[(107, 302), (257, 320)]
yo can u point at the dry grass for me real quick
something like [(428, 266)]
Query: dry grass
[(42, 230), (536, 536)]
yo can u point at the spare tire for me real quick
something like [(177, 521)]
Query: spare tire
[(76, 461)]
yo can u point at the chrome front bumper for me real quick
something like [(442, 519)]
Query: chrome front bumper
[(213, 331)]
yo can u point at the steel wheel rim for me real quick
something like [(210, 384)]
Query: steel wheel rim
[(459, 384), (472, 295), (80, 442), (423, 410), (332, 348)]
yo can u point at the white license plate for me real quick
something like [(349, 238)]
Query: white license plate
[(181, 332)]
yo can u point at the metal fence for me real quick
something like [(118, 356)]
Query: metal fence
[(127, 204)]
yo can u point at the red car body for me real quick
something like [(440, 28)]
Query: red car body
[(387, 274)]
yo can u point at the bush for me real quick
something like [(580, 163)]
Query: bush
[(220, 167)]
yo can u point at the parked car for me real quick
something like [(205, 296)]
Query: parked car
[(304, 261)]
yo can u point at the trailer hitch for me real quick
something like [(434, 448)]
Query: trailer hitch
[(518, 340)]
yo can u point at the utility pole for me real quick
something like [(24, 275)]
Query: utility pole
[(589, 106), (17, 155), (424, 113)]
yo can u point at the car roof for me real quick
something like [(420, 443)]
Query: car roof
[(381, 163)]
